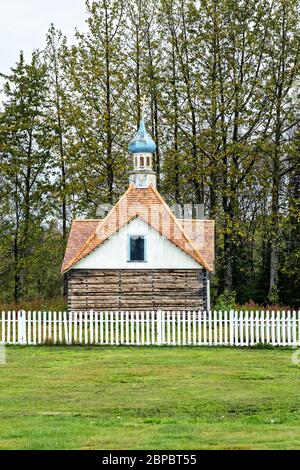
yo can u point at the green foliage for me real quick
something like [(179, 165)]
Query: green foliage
[(273, 296), (52, 304), (225, 301)]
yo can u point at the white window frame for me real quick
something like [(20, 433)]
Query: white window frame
[(128, 247)]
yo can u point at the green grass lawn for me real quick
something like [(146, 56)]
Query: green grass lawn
[(149, 398)]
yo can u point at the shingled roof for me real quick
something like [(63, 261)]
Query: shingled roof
[(148, 205), (202, 233)]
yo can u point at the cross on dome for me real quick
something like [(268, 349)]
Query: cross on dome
[(143, 106), (142, 142)]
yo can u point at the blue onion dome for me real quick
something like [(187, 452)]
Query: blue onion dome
[(142, 142)]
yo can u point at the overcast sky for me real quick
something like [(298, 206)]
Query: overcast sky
[(24, 24)]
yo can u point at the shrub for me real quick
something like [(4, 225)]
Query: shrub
[(225, 301)]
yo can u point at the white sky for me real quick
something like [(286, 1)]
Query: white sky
[(24, 24)]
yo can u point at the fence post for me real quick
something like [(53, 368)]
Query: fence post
[(231, 329), (22, 327), (66, 327), (159, 325)]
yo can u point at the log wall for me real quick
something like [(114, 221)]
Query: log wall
[(136, 289)]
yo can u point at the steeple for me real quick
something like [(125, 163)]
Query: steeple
[(142, 148)]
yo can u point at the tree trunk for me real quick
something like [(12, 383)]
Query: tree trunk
[(109, 158)]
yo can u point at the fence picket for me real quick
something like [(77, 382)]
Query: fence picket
[(262, 326), (80, 328), (246, 328), (96, 328), (289, 327), (257, 330), (189, 338), (159, 327), (66, 336), (86, 338), (122, 327), (278, 329), (173, 328), (34, 327), (251, 328), (183, 329), (127, 328), (3, 327), (273, 338), (50, 325), (236, 329), (199, 328), (14, 327), (132, 328), (44, 326), (28, 327), (215, 320), (267, 327), (55, 327), (19, 339), (70, 329), (137, 334), (8, 327), (231, 327), (210, 328), (241, 319), (168, 329), (148, 328), (194, 329), (60, 337), (91, 326), (112, 336), (24, 330), (39, 327), (75, 327), (283, 328), (294, 332), (101, 328), (106, 327), (220, 328), (178, 329), (162, 324), (142, 328), (205, 328), (153, 327)]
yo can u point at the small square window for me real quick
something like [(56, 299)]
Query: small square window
[(137, 248)]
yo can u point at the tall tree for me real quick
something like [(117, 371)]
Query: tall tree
[(284, 58), (99, 109), (23, 160), (59, 129)]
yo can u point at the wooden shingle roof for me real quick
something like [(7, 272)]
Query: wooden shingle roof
[(148, 205)]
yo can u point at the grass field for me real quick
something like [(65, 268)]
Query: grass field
[(149, 398)]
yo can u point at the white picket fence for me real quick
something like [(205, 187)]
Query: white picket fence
[(158, 328)]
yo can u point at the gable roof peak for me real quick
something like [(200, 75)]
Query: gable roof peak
[(148, 204)]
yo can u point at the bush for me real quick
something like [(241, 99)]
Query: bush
[(225, 301)]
